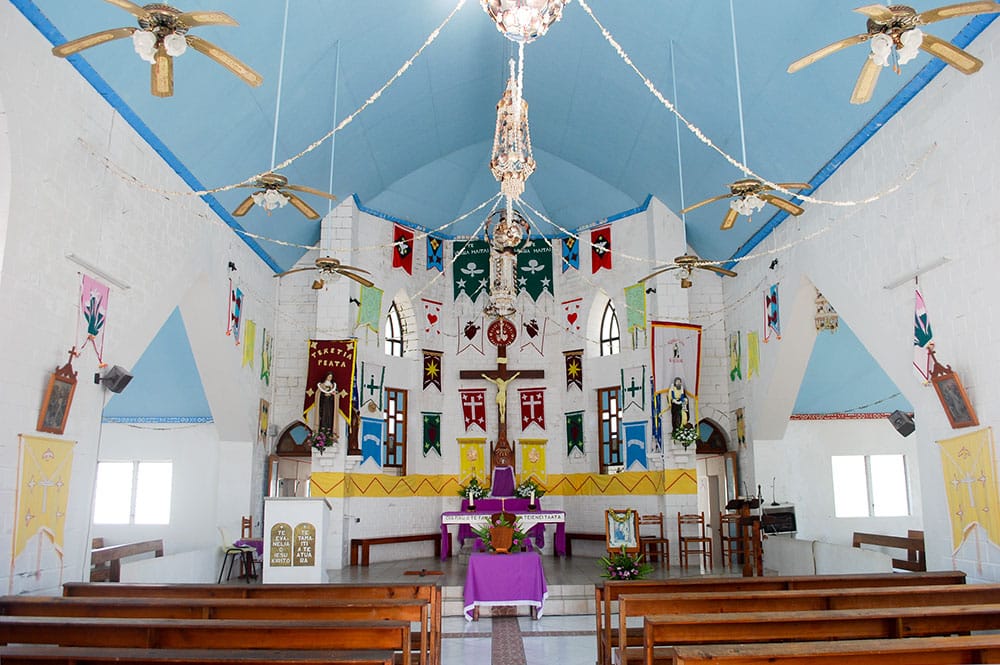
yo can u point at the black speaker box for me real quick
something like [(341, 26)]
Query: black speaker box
[(902, 422), (115, 379)]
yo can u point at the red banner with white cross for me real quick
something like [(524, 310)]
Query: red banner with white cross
[(532, 406), (474, 407)]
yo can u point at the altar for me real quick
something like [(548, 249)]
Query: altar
[(528, 520)]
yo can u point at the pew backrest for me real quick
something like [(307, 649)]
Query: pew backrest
[(49, 655)]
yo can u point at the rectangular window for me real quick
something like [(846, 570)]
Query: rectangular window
[(133, 492), (395, 428), (870, 486), (609, 421)]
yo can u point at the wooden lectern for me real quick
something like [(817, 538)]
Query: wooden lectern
[(750, 547)]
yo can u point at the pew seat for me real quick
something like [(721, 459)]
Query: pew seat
[(49, 655)]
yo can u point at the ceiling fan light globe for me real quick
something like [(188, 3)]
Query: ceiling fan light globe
[(175, 44), (144, 43), (881, 47), (911, 41)]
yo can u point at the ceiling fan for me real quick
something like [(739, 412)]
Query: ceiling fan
[(750, 195), (274, 194), (330, 269), (895, 36), (161, 36), (687, 263)]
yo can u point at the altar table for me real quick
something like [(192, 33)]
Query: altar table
[(527, 521), (505, 579)]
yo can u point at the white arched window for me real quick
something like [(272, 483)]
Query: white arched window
[(610, 331), (395, 332)]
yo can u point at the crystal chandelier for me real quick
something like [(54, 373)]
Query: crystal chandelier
[(524, 21), (511, 161)]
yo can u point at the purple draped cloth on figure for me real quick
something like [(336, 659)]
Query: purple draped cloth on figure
[(503, 481)]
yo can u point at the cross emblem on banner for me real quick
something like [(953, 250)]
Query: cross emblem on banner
[(531, 400)]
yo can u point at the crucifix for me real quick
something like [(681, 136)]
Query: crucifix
[(501, 333)]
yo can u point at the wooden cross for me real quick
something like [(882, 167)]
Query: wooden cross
[(503, 455)]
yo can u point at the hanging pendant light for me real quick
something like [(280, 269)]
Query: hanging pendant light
[(511, 161), (524, 21)]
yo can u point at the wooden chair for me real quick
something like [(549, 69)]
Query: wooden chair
[(246, 531), (729, 536), (698, 544), (653, 544)]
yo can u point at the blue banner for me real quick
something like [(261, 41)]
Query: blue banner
[(371, 439), (634, 434)]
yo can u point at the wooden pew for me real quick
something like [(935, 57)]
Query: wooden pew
[(34, 655), (913, 543), (361, 547), (207, 633), (925, 650), (105, 562), (606, 592), (579, 535), (429, 591), (883, 623)]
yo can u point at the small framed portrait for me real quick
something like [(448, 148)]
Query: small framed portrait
[(953, 398), (621, 530), (58, 398)]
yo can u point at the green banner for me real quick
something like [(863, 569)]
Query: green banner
[(471, 268), (534, 268), (635, 307), (574, 432), (371, 308), (432, 433)]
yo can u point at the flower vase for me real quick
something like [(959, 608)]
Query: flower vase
[(501, 539)]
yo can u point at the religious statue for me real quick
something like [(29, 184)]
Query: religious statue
[(678, 404), (501, 385), (327, 404)]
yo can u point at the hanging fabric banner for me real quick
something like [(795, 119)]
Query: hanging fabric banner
[(532, 407), (574, 432), (402, 248), (635, 307), (574, 368), (969, 464), (753, 354), (772, 320), (735, 356), (571, 315), (235, 312), (474, 407), (534, 269), (432, 320), (677, 355), (471, 268), (330, 356), (435, 253), (534, 333), (471, 459), (571, 253), (923, 338), (45, 470), (656, 419), (741, 429), (432, 433), (633, 387), (432, 369), (371, 439), (600, 249), (533, 459), (266, 356), (249, 342), (372, 377), (94, 312), (470, 334), (370, 310), (634, 434)]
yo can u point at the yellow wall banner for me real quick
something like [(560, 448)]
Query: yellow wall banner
[(472, 456), (42, 492), (968, 463), (533, 460)]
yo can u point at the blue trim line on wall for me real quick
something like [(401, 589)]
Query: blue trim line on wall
[(137, 420), (972, 30), (42, 23)]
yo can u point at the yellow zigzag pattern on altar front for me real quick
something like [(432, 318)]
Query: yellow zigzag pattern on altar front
[(669, 481)]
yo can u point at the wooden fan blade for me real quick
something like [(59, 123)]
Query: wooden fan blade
[(354, 268), (195, 19), (162, 74), (718, 270), (877, 12), (244, 207), (132, 8), (779, 202), (289, 272), (954, 56), (867, 79), (962, 9), (103, 37), (706, 202), (301, 205), (310, 190), (655, 273), (729, 220), (794, 185), (225, 59), (357, 278), (827, 50)]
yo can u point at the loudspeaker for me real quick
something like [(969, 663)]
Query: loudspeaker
[(115, 379), (902, 422)]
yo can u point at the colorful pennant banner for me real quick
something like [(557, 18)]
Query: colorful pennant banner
[(372, 435), (432, 320), (435, 253), (753, 354), (571, 253), (534, 269), (735, 356), (923, 338), (772, 321), (532, 407), (600, 249), (266, 356), (432, 433), (470, 335), (574, 368), (534, 333), (94, 312), (634, 434), (330, 356), (471, 268), (432, 369), (474, 407), (370, 310), (633, 387), (249, 343), (402, 248), (574, 432), (372, 376)]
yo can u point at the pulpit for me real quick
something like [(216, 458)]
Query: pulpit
[(750, 543), (295, 540)]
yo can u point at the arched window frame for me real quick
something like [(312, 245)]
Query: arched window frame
[(610, 331), (394, 332)]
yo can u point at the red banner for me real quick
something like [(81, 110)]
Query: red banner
[(532, 406), (600, 249), (330, 356), (402, 249), (474, 407)]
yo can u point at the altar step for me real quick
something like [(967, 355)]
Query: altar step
[(564, 599)]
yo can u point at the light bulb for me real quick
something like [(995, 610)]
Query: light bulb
[(175, 44), (144, 43), (911, 41), (881, 48)]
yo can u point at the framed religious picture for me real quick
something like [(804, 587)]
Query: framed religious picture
[(953, 397), (621, 530), (58, 398)]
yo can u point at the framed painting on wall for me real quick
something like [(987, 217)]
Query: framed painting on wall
[(58, 398), (621, 530), (953, 398)]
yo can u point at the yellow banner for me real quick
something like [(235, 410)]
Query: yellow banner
[(249, 342), (473, 462), (43, 490), (533, 460), (968, 463)]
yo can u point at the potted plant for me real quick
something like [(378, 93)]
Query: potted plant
[(529, 489), (624, 566), (321, 440), (472, 491), (502, 537)]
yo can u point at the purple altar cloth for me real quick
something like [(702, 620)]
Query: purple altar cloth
[(503, 481), (256, 543), (515, 505), (505, 579)]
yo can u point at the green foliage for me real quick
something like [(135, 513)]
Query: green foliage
[(624, 566)]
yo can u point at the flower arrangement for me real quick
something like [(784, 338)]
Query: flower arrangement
[(473, 490), (685, 435), (485, 534), (624, 566), (529, 487), (321, 440)]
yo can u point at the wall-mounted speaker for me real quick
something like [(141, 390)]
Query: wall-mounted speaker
[(115, 379), (902, 422)]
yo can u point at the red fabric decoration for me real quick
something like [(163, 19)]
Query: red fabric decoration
[(402, 250), (600, 249), (532, 407), (474, 407)]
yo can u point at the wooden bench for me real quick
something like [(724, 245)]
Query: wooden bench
[(31, 655), (884, 623), (927, 650), (913, 543), (429, 592), (105, 561), (606, 592), (635, 606), (579, 535), (361, 547)]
